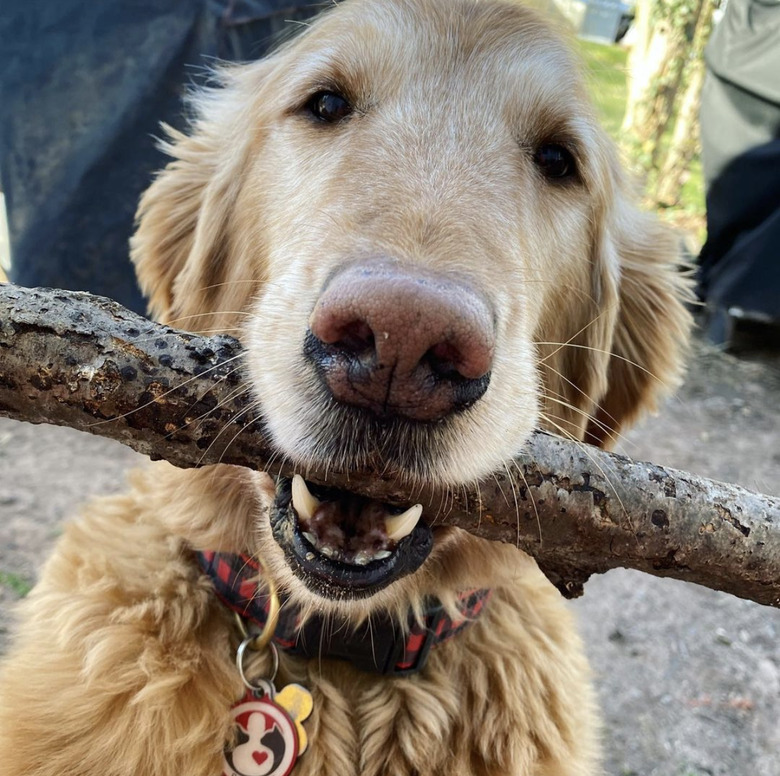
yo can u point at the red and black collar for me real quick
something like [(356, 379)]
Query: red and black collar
[(378, 648)]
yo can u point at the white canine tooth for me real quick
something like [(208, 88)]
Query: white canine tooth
[(328, 552), (303, 502), (398, 526), (310, 538), (382, 554)]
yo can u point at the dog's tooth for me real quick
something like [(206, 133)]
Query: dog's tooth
[(328, 552), (398, 526), (362, 558), (303, 502), (310, 538), (382, 554)]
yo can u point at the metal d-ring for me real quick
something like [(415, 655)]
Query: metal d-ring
[(263, 639)]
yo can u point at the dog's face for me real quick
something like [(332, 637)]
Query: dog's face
[(422, 234)]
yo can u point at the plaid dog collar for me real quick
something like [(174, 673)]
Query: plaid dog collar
[(377, 648)]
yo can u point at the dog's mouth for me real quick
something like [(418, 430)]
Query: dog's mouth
[(346, 546)]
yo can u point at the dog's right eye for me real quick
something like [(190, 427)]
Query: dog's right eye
[(555, 161), (329, 107)]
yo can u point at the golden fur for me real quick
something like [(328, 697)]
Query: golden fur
[(123, 664)]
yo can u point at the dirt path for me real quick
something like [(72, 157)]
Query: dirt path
[(689, 679)]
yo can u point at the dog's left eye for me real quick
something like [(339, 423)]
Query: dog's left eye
[(555, 161), (329, 107)]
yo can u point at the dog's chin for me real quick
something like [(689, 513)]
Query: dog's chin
[(342, 546)]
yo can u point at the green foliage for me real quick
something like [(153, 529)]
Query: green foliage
[(677, 13), (15, 583)]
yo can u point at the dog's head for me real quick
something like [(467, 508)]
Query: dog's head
[(423, 237)]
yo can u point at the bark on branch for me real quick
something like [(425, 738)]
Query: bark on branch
[(85, 362)]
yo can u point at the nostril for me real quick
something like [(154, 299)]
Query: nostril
[(460, 356), (356, 338), (467, 391), (443, 360), (447, 363)]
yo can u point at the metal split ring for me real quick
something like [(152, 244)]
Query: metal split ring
[(262, 686)]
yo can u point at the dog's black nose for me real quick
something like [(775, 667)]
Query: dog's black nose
[(400, 340)]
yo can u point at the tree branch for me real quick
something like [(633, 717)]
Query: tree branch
[(85, 362)]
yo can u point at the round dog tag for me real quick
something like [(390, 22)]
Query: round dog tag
[(267, 741)]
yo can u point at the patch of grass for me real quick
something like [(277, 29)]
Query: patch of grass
[(15, 583), (692, 197), (606, 77)]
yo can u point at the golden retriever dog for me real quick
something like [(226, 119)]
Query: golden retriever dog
[(411, 218)]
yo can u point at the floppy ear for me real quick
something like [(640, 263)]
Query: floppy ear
[(653, 324), (167, 220), (183, 236), (616, 339)]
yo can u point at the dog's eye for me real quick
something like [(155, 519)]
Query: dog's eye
[(555, 161), (329, 107)]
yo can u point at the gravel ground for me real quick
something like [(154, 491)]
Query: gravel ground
[(689, 679)]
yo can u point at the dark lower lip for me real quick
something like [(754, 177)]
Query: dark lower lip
[(336, 580)]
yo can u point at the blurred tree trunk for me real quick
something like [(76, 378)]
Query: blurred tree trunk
[(685, 140), (657, 71)]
